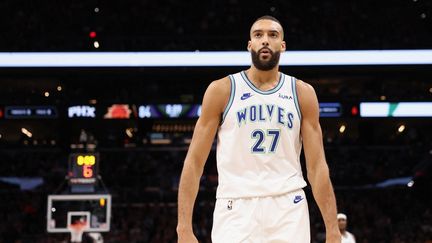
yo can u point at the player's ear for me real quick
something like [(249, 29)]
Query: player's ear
[(283, 46), (249, 46)]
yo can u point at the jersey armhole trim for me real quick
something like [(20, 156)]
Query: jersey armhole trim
[(231, 99), (294, 91)]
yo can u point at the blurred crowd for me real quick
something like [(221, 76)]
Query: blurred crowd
[(144, 190), (212, 25)]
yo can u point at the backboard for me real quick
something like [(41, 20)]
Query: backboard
[(64, 210)]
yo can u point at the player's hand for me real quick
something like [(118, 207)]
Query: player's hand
[(333, 237), (186, 237)]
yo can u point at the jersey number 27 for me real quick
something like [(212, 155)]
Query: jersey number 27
[(260, 136)]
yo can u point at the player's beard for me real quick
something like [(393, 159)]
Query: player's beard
[(265, 65)]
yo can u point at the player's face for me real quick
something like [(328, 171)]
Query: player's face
[(266, 44), (342, 224)]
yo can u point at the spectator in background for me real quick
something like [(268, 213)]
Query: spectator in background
[(347, 237)]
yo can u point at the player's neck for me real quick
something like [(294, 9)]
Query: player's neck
[(259, 77)]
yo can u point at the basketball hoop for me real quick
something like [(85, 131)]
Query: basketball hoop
[(76, 230)]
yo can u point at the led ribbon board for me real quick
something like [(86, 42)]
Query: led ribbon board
[(211, 58), (330, 109), (80, 111), (169, 111), (30, 112), (397, 109)]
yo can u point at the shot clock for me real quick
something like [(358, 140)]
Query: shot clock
[(83, 171)]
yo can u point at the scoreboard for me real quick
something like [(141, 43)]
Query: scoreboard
[(83, 168)]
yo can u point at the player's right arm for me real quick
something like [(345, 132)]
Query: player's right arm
[(214, 102)]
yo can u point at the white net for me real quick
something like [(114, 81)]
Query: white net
[(76, 231)]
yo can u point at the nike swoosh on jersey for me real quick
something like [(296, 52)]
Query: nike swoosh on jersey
[(297, 199), (245, 96)]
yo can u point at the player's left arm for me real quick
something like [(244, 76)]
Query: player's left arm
[(316, 165)]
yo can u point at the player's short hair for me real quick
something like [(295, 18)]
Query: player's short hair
[(269, 17)]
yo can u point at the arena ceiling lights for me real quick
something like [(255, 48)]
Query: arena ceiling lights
[(210, 59)]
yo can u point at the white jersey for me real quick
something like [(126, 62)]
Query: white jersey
[(347, 237), (259, 142)]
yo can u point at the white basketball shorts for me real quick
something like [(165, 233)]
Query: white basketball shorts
[(275, 219)]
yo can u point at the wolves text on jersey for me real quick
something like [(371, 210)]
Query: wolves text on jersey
[(265, 113)]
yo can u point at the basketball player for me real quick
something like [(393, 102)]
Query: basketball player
[(262, 118), (347, 237)]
